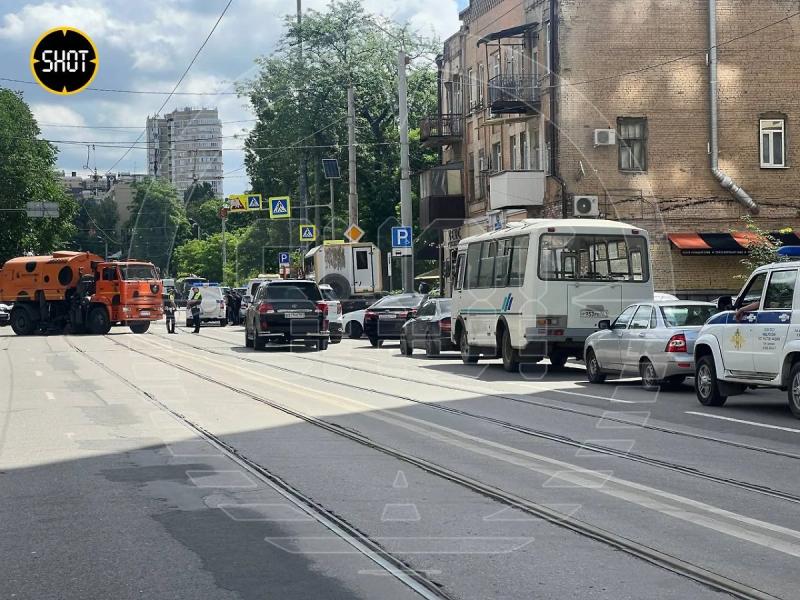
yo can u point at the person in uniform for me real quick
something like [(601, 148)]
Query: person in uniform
[(169, 312), (194, 306)]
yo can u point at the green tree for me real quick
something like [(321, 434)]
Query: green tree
[(302, 108), (158, 223), (95, 226), (27, 172), (762, 250)]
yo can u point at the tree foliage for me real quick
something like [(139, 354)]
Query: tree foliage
[(762, 250), (95, 226), (27, 173), (301, 104), (157, 224)]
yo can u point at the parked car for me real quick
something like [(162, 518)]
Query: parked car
[(334, 312), (384, 320), (654, 339), (428, 329), (212, 306), (354, 323), (287, 311), (5, 315), (754, 341)]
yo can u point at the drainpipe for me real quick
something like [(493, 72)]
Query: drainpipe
[(724, 179), (553, 128)]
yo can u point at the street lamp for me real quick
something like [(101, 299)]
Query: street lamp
[(194, 224)]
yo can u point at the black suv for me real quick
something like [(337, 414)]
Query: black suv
[(287, 311)]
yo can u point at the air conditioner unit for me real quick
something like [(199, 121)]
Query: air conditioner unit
[(585, 206), (605, 137)]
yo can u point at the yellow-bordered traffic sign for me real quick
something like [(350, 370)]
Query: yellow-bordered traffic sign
[(64, 60), (280, 207), (253, 201), (308, 233), (354, 233), (238, 202)]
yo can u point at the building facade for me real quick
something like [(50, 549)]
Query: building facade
[(599, 108), (185, 147)]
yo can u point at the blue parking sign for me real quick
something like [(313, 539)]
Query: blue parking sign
[(283, 259), (401, 237)]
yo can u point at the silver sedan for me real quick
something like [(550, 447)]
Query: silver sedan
[(654, 340)]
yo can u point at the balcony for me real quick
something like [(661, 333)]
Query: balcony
[(441, 203), (516, 189), (441, 130), (514, 94)]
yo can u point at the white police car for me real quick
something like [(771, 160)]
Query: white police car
[(755, 341)]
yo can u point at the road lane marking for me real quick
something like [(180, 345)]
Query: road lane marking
[(50, 395), (38, 373), (666, 503), (754, 423)]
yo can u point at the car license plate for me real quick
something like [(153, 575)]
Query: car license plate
[(387, 316), (145, 313), (294, 315)]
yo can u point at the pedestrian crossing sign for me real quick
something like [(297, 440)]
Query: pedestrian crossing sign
[(308, 233), (253, 201), (280, 207)]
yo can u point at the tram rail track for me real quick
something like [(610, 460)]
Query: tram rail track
[(362, 543), (642, 551), (537, 433)]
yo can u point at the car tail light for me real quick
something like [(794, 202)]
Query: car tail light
[(677, 343), (370, 316), (265, 307), (323, 308), (444, 324)]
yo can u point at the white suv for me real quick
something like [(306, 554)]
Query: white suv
[(755, 342)]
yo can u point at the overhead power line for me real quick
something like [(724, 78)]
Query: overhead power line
[(122, 91), (180, 80)]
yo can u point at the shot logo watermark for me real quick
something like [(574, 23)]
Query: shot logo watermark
[(64, 60)]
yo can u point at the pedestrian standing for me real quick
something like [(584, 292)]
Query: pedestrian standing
[(194, 306), (169, 312), (237, 306)]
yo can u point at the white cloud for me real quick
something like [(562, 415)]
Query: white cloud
[(56, 113)]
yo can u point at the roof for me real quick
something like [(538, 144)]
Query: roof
[(560, 225), (507, 33)]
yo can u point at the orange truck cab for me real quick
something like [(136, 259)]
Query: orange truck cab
[(81, 291)]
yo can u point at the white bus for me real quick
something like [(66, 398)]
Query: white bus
[(539, 287)]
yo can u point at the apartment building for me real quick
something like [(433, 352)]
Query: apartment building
[(185, 147), (600, 108)]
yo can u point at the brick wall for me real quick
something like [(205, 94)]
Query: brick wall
[(758, 74)]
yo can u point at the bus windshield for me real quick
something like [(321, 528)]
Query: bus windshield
[(138, 272), (592, 257)]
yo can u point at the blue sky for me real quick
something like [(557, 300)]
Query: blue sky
[(146, 45)]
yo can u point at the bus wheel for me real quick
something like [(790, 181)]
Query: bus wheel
[(468, 355), (510, 355)]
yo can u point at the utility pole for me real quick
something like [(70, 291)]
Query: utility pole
[(223, 214), (406, 216), (352, 197)]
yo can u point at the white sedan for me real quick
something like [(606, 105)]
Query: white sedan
[(354, 323), (653, 339)]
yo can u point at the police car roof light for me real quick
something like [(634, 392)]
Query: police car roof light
[(789, 251)]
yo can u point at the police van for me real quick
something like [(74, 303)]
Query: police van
[(755, 341), (538, 287)]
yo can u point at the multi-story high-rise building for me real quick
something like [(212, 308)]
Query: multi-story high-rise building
[(185, 147), (675, 116)]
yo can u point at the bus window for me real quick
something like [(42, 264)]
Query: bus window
[(588, 257), (473, 262), (519, 258), (460, 268), (502, 262), (486, 273)]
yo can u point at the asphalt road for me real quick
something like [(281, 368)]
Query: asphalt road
[(187, 466)]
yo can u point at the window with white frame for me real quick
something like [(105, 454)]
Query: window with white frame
[(469, 90), (525, 159), (481, 83), (773, 143)]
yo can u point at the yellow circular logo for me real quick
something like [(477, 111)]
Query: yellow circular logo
[(64, 60)]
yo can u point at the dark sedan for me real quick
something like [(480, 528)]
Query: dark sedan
[(429, 329), (384, 320)]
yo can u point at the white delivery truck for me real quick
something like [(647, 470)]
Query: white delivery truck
[(352, 270)]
